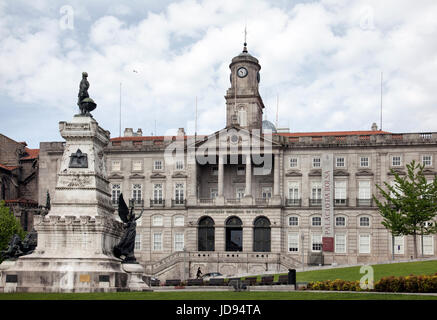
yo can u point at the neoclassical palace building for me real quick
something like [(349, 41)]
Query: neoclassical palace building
[(250, 199)]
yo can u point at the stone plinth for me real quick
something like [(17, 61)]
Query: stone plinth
[(135, 277)]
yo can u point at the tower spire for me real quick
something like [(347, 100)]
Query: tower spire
[(245, 39)]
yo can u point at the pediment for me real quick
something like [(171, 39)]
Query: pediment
[(364, 173), (157, 176), (115, 176), (341, 173), (429, 171), (136, 176), (397, 171), (315, 173), (179, 175), (293, 173)]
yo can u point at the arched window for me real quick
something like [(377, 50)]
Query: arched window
[(234, 234), (242, 117), (205, 234), (261, 235)]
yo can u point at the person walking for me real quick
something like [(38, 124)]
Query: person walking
[(199, 273)]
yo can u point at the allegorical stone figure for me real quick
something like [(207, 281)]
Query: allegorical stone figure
[(125, 248), (85, 103), (18, 248)]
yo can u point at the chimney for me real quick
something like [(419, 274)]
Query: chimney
[(139, 132), (128, 132), (181, 132), (374, 127)]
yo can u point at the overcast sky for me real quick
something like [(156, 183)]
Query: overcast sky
[(322, 58)]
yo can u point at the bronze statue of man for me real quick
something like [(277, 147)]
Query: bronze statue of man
[(83, 91)]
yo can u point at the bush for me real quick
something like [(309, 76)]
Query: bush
[(9, 225)]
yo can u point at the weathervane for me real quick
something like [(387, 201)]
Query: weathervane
[(245, 39)]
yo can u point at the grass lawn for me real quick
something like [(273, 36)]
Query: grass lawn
[(380, 270), (226, 295)]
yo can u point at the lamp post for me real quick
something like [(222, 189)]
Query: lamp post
[(185, 268)]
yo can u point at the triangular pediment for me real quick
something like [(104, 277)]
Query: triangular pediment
[(179, 175), (136, 176), (341, 173), (157, 175), (315, 173), (364, 173), (115, 176), (293, 173), (429, 172), (397, 171)]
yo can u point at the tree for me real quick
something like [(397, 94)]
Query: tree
[(9, 225), (410, 204)]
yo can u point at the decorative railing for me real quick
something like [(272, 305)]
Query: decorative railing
[(293, 202), (315, 202), (341, 202), (178, 202), (157, 202), (364, 202), (136, 203)]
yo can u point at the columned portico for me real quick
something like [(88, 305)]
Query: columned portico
[(220, 197)]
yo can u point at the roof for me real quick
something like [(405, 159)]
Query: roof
[(22, 201), (152, 138), (333, 133), (9, 168), (31, 154)]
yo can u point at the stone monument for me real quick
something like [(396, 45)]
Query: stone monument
[(76, 238)]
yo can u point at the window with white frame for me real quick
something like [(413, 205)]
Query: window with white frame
[(293, 162), (428, 245), (179, 193), (316, 191), (395, 185), (293, 221), (316, 242), (179, 221), (242, 117), (396, 161), (137, 165), (179, 164), (316, 221), (364, 243), (293, 242), (340, 243), (399, 244), (293, 190), (138, 242), (239, 192), (364, 189), (427, 160), (116, 165), (364, 162), (157, 192), (157, 241), (179, 241), (340, 162), (340, 192), (364, 222), (316, 162), (157, 221), (241, 170), (213, 193), (157, 165), (137, 192), (115, 192), (266, 192), (340, 221)]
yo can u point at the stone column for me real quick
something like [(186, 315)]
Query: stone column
[(276, 175), (248, 191), (220, 200)]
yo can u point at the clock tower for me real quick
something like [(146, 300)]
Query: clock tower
[(244, 105)]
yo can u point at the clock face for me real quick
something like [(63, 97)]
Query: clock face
[(242, 72)]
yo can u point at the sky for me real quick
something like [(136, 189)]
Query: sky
[(321, 63)]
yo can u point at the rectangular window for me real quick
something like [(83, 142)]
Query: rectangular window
[(179, 164), (266, 192), (316, 162), (157, 221), (116, 165), (427, 160), (340, 162), (240, 193), (137, 192), (364, 222), (179, 193), (157, 192), (364, 190), (396, 161), (137, 165), (138, 242), (293, 190), (157, 165), (157, 241), (316, 221), (428, 245), (115, 192), (293, 162), (293, 242), (340, 243), (316, 242), (364, 162), (179, 241), (293, 221), (214, 193), (364, 243), (399, 245), (340, 221), (340, 192), (179, 221), (316, 193), (241, 170)]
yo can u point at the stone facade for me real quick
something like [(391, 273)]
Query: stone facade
[(272, 216)]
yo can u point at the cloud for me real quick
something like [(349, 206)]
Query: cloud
[(323, 58)]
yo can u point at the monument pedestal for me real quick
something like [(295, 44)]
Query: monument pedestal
[(76, 238), (135, 277)]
